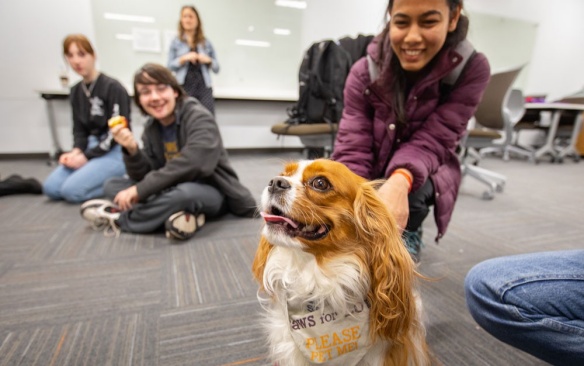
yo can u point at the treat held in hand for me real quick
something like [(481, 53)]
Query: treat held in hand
[(118, 120)]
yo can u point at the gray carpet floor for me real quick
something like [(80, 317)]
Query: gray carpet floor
[(71, 296)]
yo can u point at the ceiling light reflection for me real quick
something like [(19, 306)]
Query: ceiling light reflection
[(291, 4), (247, 42), (129, 18), (282, 31)]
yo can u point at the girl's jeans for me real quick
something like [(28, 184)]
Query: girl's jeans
[(86, 182)]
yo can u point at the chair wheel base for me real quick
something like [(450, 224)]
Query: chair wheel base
[(488, 195)]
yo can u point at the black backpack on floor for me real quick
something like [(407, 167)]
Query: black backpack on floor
[(322, 75)]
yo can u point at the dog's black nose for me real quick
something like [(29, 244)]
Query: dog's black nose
[(278, 184)]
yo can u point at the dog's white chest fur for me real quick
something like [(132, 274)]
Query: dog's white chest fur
[(311, 317)]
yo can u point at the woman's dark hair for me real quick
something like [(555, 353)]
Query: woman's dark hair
[(398, 83), (199, 34), (154, 74)]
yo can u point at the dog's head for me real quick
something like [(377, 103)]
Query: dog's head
[(313, 206), (322, 208)]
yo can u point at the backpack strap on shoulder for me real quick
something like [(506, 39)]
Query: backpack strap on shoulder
[(466, 50), (373, 68)]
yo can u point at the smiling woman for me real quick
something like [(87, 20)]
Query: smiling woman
[(405, 125), (410, 23)]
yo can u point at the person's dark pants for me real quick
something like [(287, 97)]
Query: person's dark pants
[(150, 215), (420, 202)]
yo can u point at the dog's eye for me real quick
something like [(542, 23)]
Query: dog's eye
[(320, 184)]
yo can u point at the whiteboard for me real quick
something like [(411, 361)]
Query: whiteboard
[(269, 73), (246, 71)]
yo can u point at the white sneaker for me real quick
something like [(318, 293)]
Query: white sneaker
[(183, 225), (102, 215), (89, 208)]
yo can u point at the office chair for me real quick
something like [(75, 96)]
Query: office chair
[(475, 139), (500, 109), (318, 138)]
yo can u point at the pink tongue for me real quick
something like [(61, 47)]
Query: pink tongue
[(275, 218)]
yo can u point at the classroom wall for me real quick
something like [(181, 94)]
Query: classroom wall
[(557, 64), (31, 33)]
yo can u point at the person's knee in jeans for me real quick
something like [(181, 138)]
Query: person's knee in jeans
[(52, 190), (481, 297), (78, 193), (474, 286), (52, 184)]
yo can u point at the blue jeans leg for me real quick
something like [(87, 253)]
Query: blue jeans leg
[(86, 182), (52, 185), (534, 302)]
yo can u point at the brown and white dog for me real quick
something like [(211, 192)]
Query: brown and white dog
[(335, 279)]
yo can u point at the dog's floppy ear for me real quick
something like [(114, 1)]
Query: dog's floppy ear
[(259, 262), (391, 268)]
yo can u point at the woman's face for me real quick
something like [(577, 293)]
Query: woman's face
[(189, 20), (418, 30), (159, 101), (82, 62)]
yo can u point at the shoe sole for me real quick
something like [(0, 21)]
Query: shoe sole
[(92, 204), (173, 233)]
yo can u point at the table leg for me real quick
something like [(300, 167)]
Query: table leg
[(57, 150), (571, 148), (548, 147)]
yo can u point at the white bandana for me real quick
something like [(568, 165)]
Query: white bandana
[(325, 336)]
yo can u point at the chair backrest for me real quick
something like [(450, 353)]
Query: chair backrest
[(515, 106), (494, 108)]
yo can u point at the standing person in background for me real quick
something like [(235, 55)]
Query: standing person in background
[(191, 56), (180, 176), (405, 125), (95, 157)]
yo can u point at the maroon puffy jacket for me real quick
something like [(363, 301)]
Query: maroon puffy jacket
[(368, 140)]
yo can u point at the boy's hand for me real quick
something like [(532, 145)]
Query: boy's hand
[(127, 198), (124, 137)]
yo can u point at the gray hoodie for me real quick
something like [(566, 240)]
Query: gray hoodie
[(202, 158)]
